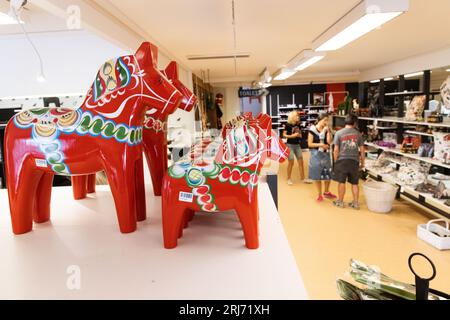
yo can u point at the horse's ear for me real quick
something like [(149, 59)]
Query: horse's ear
[(147, 55), (172, 70)]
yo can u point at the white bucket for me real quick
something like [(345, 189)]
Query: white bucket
[(379, 196)]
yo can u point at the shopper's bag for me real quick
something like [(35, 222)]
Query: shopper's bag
[(435, 234)]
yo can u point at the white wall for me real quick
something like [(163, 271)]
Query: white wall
[(71, 61), (231, 102)]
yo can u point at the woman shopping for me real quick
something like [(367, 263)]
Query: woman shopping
[(319, 142), (293, 135)]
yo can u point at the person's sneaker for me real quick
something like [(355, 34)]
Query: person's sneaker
[(354, 205), (289, 182), (307, 181), (339, 204), (329, 195), (319, 199)]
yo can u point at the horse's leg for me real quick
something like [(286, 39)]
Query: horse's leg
[(140, 191), (121, 179), (248, 215), (155, 149), (91, 183), (172, 216), (79, 184), (22, 182), (41, 213)]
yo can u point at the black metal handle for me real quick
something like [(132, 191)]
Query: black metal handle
[(422, 284)]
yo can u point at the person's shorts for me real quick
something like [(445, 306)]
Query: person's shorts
[(296, 151), (346, 170)]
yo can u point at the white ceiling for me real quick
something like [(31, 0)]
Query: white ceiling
[(274, 31), (36, 20)]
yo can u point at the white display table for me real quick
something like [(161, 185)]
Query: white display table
[(210, 262)]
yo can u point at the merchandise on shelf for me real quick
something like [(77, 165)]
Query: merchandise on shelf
[(414, 110), (410, 144), (442, 146), (445, 95)]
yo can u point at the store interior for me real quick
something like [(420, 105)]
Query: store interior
[(242, 63)]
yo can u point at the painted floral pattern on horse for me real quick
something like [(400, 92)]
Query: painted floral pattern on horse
[(239, 151), (113, 74), (48, 123)]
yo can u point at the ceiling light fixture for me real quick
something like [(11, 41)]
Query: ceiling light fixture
[(389, 79), (415, 74), (8, 19), (305, 59), (448, 70), (283, 74), (363, 18), (374, 81)]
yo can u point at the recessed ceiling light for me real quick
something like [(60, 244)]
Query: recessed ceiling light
[(363, 18)]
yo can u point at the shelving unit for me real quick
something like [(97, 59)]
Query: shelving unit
[(392, 96), (409, 155), (419, 133), (405, 93), (426, 201)]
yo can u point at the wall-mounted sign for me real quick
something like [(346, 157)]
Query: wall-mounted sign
[(251, 93)]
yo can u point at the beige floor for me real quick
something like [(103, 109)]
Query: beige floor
[(324, 238)]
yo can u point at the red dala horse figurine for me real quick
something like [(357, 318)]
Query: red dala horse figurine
[(221, 176), (154, 140), (105, 133)]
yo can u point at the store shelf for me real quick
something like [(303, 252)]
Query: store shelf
[(409, 155), (311, 107), (419, 133), (405, 93), (423, 199), (287, 108), (385, 128), (446, 122)]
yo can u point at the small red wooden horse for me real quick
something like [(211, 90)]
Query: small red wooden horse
[(221, 176), (154, 140), (105, 133)]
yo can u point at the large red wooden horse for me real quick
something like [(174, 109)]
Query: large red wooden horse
[(221, 176), (105, 133), (154, 140)]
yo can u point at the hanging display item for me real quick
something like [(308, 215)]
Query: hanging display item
[(154, 141), (105, 133), (221, 176)]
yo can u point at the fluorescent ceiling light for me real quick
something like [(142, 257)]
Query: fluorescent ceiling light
[(365, 17), (415, 74), (448, 70), (6, 19), (266, 85), (374, 81), (305, 59), (389, 79), (309, 63), (283, 74)]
